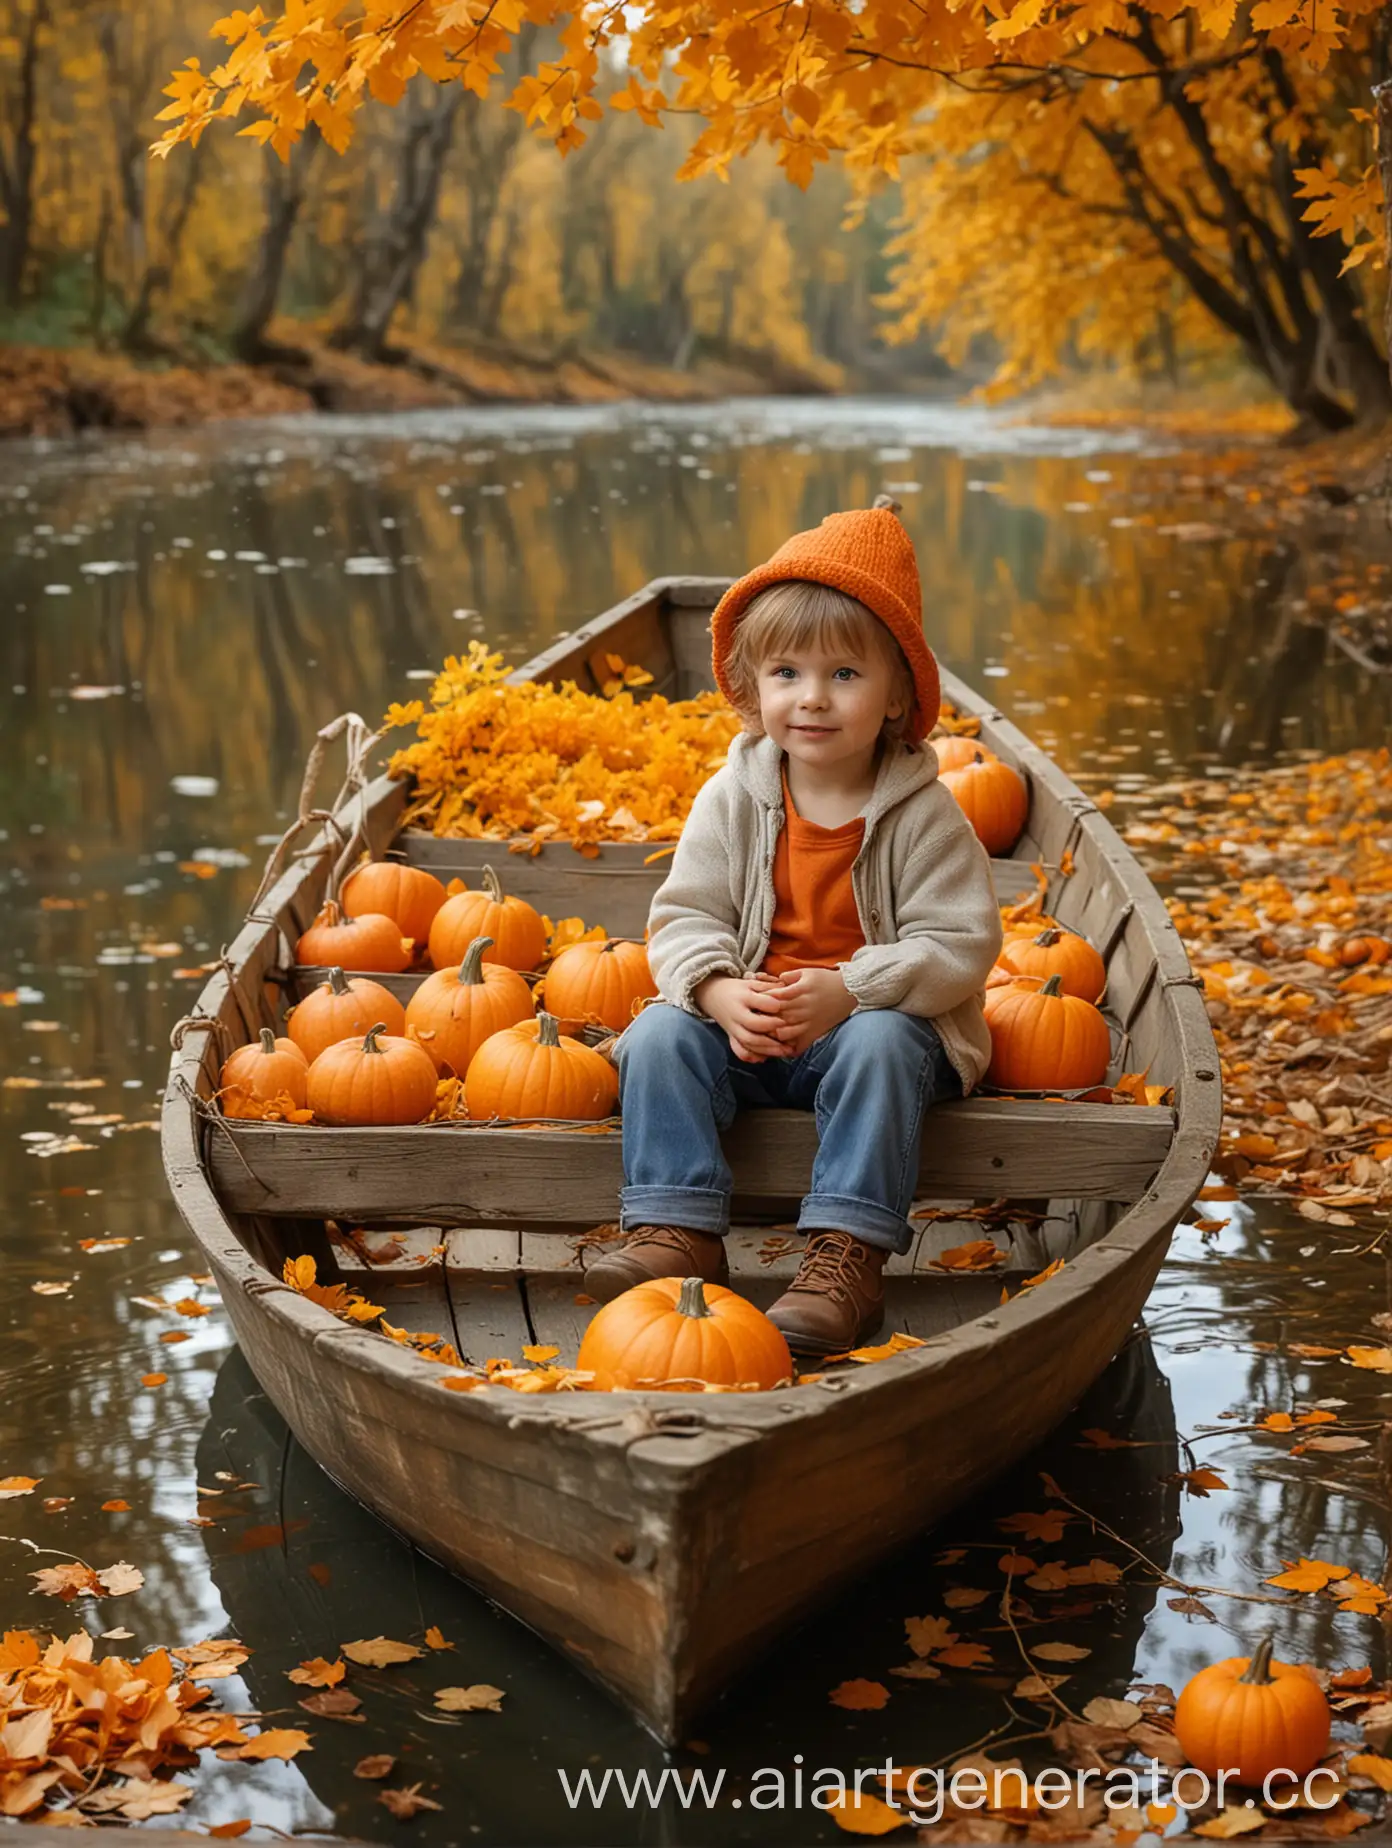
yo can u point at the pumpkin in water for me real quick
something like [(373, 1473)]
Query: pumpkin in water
[(670, 1330), (599, 981), (454, 1011), (1250, 1718), (993, 797), (955, 753), (378, 1079), (1062, 953), (407, 895), (531, 1071), (342, 1009), (514, 928), (370, 941), (256, 1075), (1045, 1040)]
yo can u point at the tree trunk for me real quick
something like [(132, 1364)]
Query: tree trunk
[(157, 274), (17, 167), (1383, 98), (397, 249), (284, 186)]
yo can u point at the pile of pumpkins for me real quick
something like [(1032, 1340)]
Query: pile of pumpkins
[(356, 1057), (1047, 1032), (993, 797)]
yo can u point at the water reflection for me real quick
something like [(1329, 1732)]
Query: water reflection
[(195, 610)]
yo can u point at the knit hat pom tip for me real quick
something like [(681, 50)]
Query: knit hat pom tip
[(886, 503)]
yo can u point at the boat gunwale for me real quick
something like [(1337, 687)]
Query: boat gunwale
[(734, 1418)]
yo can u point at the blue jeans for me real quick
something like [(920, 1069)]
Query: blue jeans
[(868, 1080)]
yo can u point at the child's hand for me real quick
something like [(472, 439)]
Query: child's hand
[(813, 1002), (747, 1007)]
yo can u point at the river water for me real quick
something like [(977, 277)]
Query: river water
[(179, 615)]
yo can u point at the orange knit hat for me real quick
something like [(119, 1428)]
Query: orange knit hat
[(868, 555)]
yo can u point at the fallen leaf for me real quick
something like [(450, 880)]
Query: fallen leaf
[(858, 1813), (929, 1633), (1039, 1687), (1200, 1482), (18, 1485), (1374, 1766), (332, 1704), (227, 1830), (403, 1804), (380, 1652), (122, 1578), (1351, 1678), (1231, 1822), (981, 1254), (153, 1379), (1059, 1652), (860, 1696), (1308, 1575), (67, 1582), (963, 1597), (540, 1354), (102, 1244), (480, 1698), (318, 1673), (1047, 1528), (189, 1305), (917, 1671), (1373, 1359), (50, 1289), (435, 1639), (280, 1742), (1104, 1712), (380, 1764), (116, 1507), (964, 1655), (1332, 1443), (139, 1798)]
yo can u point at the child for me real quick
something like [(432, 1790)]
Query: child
[(822, 941)]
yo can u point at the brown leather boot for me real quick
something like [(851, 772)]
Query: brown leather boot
[(658, 1251), (837, 1298)]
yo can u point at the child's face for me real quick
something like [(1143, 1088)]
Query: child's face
[(826, 709)]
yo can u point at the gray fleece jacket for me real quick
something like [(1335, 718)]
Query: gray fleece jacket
[(922, 885)]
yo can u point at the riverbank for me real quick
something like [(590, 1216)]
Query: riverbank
[(57, 392)]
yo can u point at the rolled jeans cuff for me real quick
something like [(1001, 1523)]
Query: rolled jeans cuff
[(699, 1209), (866, 1220)]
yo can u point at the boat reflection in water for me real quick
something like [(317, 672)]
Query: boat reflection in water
[(302, 1569)]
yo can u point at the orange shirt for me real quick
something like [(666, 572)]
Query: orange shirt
[(815, 921)]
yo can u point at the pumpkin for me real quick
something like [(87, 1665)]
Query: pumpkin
[(380, 1079), (454, 1011), (1061, 953), (993, 797), (1045, 1040), (671, 1330), (1250, 1718), (407, 895), (342, 1009), (1030, 926), (516, 931), (257, 1074), (599, 981), (527, 1071), (1371, 950), (955, 753), (369, 941)]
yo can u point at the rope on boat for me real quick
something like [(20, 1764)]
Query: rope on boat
[(203, 1023), (360, 741)]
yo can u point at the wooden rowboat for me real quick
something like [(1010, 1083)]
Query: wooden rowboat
[(663, 1542)]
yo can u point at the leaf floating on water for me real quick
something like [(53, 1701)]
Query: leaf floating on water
[(963, 1597), (1373, 1359), (1059, 1652), (964, 1655), (380, 1652), (153, 1379), (859, 1813), (926, 1634), (121, 1579), (227, 1831), (380, 1764), (480, 1698), (18, 1485), (318, 1672), (139, 1798), (435, 1638), (67, 1582), (334, 1704), (283, 1742), (1308, 1575), (860, 1696), (404, 1804), (50, 1289)]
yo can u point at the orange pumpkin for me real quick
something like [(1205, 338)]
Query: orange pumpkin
[(516, 930), (342, 1009), (668, 1331), (599, 981), (370, 941), (994, 798), (255, 1075), (454, 1011), (1061, 953), (381, 1079), (1252, 1717), (955, 753), (1045, 1040), (1030, 926), (1370, 950), (527, 1071), (407, 895)]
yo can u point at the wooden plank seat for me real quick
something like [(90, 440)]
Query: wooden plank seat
[(460, 1174)]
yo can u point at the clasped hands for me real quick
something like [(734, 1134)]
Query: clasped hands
[(775, 1016)]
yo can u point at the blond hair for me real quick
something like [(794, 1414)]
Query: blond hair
[(797, 614)]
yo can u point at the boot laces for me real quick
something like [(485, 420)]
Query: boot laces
[(669, 1238), (829, 1263)]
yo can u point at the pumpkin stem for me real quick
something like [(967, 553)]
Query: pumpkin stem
[(338, 981), (329, 913), (1256, 1671), (492, 886), (370, 1043), (1048, 938), (267, 1040), (1054, 986), (692, 1300), (469, 969), (549, 1030)]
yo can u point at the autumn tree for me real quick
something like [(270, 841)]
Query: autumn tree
[(1074, 169)]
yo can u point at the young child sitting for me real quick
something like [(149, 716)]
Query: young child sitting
[(822, 941)]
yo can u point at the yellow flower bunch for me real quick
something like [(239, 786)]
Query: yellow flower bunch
[(495, 760)]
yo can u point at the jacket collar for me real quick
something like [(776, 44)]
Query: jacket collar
[(757, 765)]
